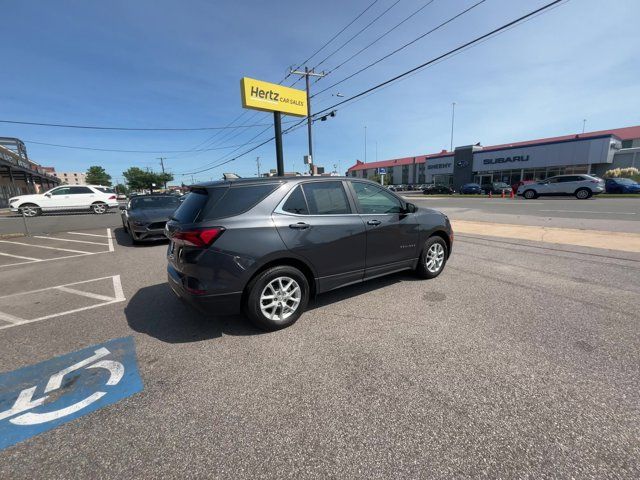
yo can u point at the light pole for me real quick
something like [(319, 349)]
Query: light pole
[(365, 144), (584, 124), (453, 117)]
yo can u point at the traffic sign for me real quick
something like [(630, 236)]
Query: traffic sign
[(382, 171), (40, 397)]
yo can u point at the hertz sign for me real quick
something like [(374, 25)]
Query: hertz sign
[(271, 97)]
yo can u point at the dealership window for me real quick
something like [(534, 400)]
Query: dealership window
[(627, 144), (405, 174), (575, 169), (421, 176)]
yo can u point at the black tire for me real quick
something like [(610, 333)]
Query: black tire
[(125, 227), (30, 210), (583, 193), (259, 285), (530, 194), (423, 270)]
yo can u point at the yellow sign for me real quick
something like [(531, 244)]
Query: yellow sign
[(266, 96)]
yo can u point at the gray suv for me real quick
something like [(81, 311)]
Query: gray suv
[(265, 246), (580, 186)]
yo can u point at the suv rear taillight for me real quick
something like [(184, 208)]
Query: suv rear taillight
[(201, 237), (112, 197)]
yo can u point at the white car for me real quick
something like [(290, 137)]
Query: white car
[(95, 198), (580, 186)]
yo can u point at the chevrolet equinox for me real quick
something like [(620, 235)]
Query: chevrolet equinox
[(265, 246)]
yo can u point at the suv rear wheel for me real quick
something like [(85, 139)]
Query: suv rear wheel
[(276, 297), (433, 257), (99, 208), (583, 193)]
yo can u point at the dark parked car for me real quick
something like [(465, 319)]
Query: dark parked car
[(144, 217), (496, 188), (470, 189), (438, 189), (621, 185), (265, 246)]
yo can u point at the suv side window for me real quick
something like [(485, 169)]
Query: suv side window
[(374, 199), (326, 198), (296, 203), (79, 190)]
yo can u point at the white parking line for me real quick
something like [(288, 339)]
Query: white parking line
[(70, 240), (110, 239), (49, 259), (117, 290), (42, 246), (95, 296), (591, 211), (89, 234), (10, 318), (20, 256)]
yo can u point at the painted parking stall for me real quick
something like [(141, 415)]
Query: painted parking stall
[(43, 396)]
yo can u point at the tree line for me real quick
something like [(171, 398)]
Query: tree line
[(137, 179)]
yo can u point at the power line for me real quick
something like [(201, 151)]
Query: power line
[(380, 37), (403, 46), (357, 33), (445, 55), (76, 147), (331, 40), (129, 129)]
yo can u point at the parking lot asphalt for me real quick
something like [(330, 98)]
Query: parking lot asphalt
[(519, 361), (599, 213)]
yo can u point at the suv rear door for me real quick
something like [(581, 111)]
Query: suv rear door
[(317, 221), (81, 197), (392, 233)]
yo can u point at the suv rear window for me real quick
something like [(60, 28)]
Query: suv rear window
[(195, 202), (105, 189), (236, 200)]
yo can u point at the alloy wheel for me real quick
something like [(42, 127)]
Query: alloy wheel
[(99, 208), (434, 258), (29, 210), (280, 298)]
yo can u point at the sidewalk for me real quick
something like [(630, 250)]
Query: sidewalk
[(625, 242)]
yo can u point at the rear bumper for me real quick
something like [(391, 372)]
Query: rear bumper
[(212, 304)]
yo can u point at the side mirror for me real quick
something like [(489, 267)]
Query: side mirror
[(122, 207), (410, 208), (48, 195)]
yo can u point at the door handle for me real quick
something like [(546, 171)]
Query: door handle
[(299, 225), (374, 222)]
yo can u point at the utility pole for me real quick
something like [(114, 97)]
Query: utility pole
[(584, 124), (162, 159), (365, 144), (258, 165), (309, 73), (453, 117)]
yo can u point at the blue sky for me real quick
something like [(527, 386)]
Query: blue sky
[(162, 63)]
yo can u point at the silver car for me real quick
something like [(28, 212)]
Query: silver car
[(580, 186)]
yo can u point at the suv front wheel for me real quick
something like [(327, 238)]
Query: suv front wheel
[(530, 194), (277, 297), (433, 257)]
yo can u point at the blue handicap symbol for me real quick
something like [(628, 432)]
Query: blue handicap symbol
[(40, 397)]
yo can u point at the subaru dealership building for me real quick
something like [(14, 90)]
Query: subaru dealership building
[(593, 152)]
